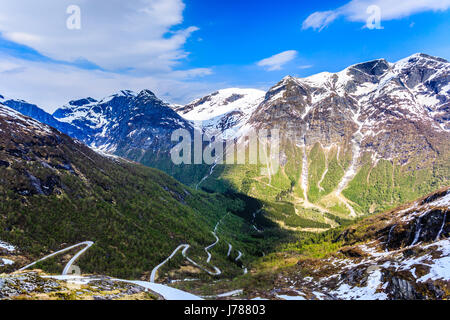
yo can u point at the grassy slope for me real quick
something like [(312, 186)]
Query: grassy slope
[(55, 192), (385, 185), (376, 187)]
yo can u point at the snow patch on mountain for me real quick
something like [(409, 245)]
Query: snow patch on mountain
[(5, 262), (8, 247), (223, 111), (222, 102), (369, 292), (25, 123)]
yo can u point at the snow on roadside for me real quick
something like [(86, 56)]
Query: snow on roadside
[(166, 292), (8, 247), (5, 262)]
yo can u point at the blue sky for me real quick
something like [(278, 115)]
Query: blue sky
[(236, 34), (184, 49)]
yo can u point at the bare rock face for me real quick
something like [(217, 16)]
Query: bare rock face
[(401, 289), (36, 285), (26, 283)]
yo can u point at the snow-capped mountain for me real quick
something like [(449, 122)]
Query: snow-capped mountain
[(33, 111), (137, 126), (358, 140), (366, 95), (340, 132), (123, 121), (224, 111), (394, 111)]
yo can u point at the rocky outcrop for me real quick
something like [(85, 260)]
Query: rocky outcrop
[(36, 285), (384, 257)]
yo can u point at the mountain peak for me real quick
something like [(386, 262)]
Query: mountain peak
[(425, 56), (127, 93), (122, 93), (82, 102), (375, 67), (148, 98), (288, 79), (146, 93), (420, 57)]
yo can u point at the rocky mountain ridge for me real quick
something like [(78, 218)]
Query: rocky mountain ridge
[(356, 141), (134, 120), (351, 138)]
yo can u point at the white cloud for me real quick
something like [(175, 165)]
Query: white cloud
[(52, 85), (21, 37), (8, 66), (277, 61), (136, 43), (114, 34), (320, 19), (356, 10)]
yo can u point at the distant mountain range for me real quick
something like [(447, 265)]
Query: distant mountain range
[(352, 144), (361, 140)]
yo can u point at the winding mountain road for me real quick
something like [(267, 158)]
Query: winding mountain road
[(88, 244), (216, 272), (230, 247), (166, 292), (207, 176), (155, 270), (210, 247), (186, 247), (254, 221)]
